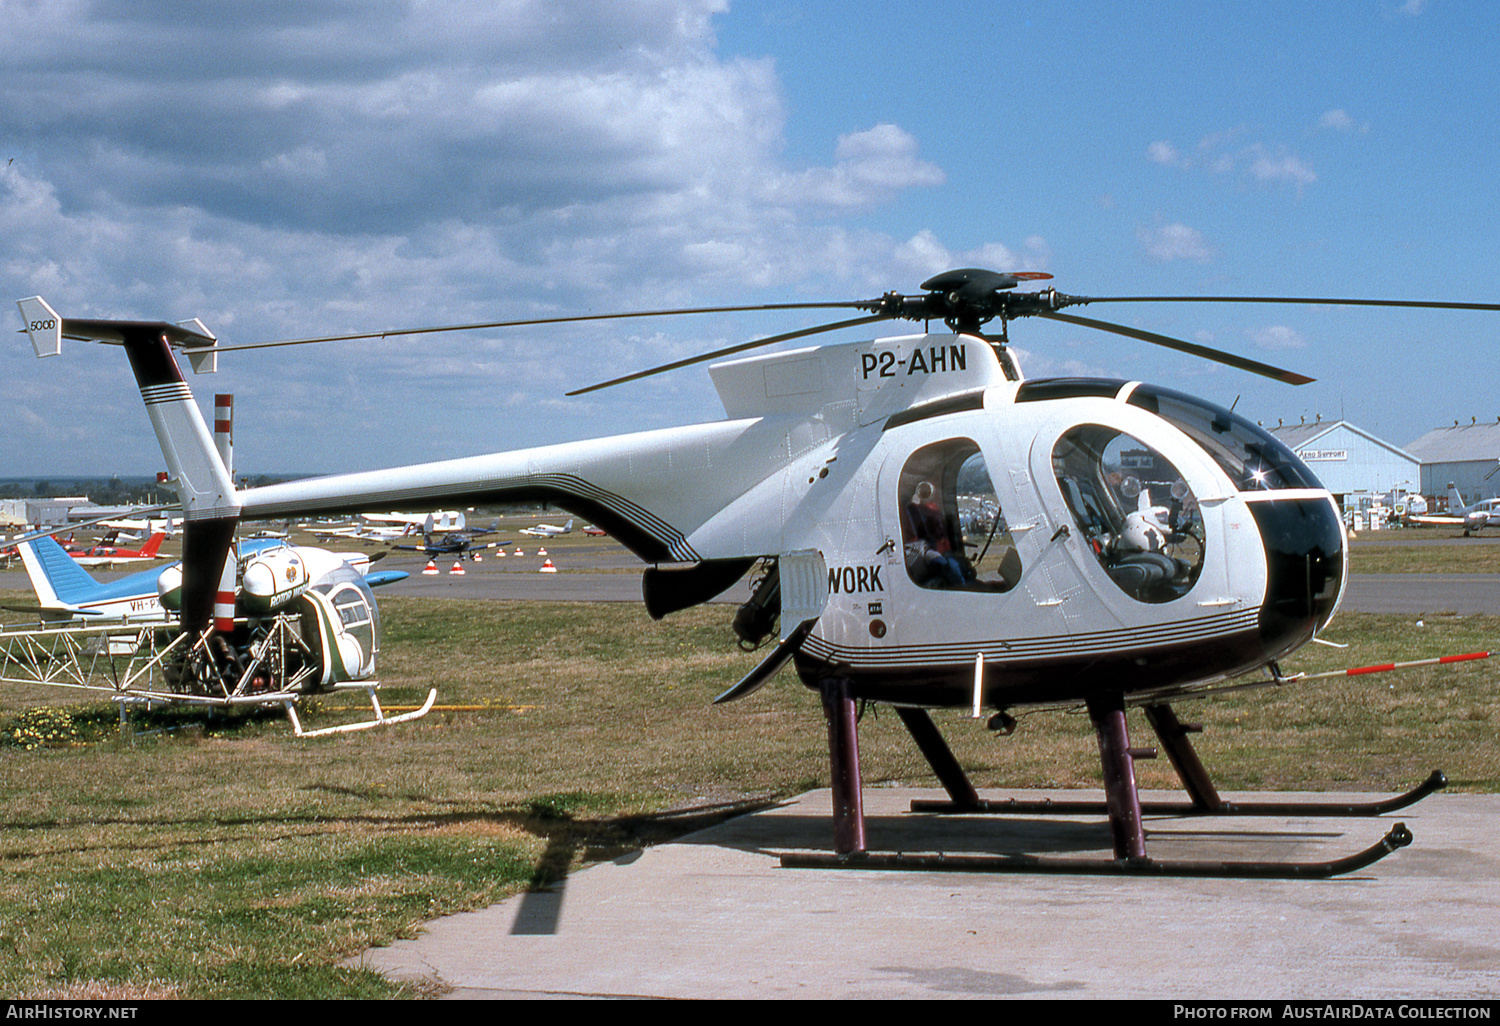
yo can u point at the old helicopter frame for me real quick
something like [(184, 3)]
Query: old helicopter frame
[(301, 622), (806, 471)]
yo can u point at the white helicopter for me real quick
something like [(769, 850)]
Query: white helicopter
[(938, 531), (302, 622)]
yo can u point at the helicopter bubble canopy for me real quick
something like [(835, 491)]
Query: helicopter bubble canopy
[(1254, 459)]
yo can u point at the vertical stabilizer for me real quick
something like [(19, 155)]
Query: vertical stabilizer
[(211, 508), (55, 576), (42, 325)]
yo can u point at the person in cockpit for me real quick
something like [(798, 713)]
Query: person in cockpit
[(931, 559)]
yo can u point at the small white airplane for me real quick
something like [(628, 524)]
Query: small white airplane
[(357, 532), (547, 530), (435, 522), (146, 525), (1471, 517)]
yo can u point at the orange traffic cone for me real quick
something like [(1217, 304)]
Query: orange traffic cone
[(458, 568), (431, 567), (547, 567), (541, 552)]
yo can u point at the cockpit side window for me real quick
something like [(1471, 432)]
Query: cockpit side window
[(1137, 514), (953, 531)]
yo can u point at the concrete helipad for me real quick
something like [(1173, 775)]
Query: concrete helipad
[(714, 915)]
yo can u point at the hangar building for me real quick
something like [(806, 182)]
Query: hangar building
[(1467, 455), (1349, 460)]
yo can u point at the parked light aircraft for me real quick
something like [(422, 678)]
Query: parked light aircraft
[(66, 591), (463, 544), (106, 553), (436, 522), (1471, 517), (547, 530), (936, 530), (360, 532), (148, 525)]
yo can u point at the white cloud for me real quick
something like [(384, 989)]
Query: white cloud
[(1339, 120), (1277, 337), (1276, 167), (1175, 242), (870, 167), (1162, 152), (1222, 154)]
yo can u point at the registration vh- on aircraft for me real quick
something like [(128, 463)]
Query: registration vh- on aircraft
[(934, 531)]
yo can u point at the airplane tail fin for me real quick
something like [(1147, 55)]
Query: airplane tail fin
[(1456, 502), (153, 544), (57, 577), (210, 504)]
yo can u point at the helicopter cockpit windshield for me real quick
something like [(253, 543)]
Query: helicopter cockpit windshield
[(1136, 511), (1254, 459)]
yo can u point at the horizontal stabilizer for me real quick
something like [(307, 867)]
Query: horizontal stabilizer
[(47, 330)]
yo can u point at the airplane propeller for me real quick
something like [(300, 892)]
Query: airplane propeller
[(964, 299)]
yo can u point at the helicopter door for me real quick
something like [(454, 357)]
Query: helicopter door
[(953, 532), (948, 545)]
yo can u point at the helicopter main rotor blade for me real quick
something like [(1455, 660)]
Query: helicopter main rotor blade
[(1422, 304), (397, 332), (731, 350), (1218, 356)]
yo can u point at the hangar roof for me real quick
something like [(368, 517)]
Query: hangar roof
[(1459, 444), (1298, 436)]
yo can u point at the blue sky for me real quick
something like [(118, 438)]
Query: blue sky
[(282, 169)]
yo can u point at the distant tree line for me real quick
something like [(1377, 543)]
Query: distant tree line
[(113, 491)]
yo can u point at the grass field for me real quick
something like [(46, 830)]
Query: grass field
[(1467, 556), (229, 859)]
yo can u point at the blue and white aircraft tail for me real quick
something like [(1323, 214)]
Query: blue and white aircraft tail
[(66, 591)]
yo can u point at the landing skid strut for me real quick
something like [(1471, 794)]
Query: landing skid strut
[(1122, 804)]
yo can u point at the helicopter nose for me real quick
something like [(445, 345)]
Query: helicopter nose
[(1304, 544)]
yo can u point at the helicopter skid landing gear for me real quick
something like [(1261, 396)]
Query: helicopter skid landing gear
[(1122, 805), (843, 757)]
